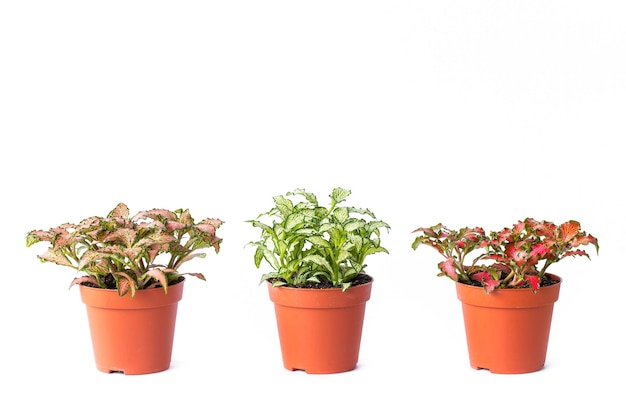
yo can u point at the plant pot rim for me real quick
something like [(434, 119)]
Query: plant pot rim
[(146, 298), (318, 297), (509, 297)]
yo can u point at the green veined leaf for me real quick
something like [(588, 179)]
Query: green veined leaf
[(318, 241), (339, 194)]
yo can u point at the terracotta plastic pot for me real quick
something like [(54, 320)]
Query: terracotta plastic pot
[(507, 330), (320, 329), (132, 335)]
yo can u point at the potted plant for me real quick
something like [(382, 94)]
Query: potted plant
[(131, 284), (507, 295), (318, 282)]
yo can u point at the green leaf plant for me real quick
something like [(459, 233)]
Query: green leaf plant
[(129, 253), (308, 245), (514, 257)]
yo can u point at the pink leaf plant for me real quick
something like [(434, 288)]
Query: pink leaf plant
[(129, 253), (515, 257)]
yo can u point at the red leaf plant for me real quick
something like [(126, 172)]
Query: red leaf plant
[(129, 253), (515, 257)]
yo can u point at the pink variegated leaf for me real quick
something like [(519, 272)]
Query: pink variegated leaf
[(174, 225), (185, 218), (123, 236), (195, 274), (155, 214), (192, 256), (216, 223), (159, 276), (206, 228), (210, 241), (91, 257), (89, 223), (117, 244), (36, 236), (63, 239), (121, 210), (125, 284), (57, 258), (151, 225), (131, 253), (87, 278), (161, 238)]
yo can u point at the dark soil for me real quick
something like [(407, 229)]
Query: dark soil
[(359, 280), (546, 281), (109, 283)]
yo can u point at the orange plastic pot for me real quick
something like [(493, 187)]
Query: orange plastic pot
[(132, 335), (320, 329), (507, 330)]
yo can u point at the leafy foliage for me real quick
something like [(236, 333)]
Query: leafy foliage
[(304, 242), (514, 257), (129, 253)]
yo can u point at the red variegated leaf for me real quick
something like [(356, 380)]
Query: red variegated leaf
[(490, 284), (517, 254), (569, 230), (447, 268), (427, 231), (534, 281), (539, 250), (577, 252), (584, 240)]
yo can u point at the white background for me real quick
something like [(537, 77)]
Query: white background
[(468, 113)]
